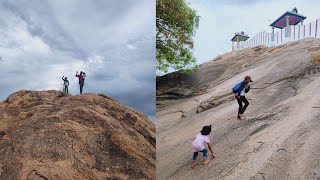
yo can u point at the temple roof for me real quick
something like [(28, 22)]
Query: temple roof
[(294, 19)]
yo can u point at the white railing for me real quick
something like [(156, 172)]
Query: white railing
[(297, 32)]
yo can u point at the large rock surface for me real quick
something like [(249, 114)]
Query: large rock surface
[(280, 139), (44, 135)]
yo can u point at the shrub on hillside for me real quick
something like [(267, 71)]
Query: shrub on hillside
[(316, 58)]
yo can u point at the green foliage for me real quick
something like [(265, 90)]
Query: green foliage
[(190, 70), (176, 24)]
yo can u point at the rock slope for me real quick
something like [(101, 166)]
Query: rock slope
[(45, 135), (280, 139)]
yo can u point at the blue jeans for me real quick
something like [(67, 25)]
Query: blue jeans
[(204, 154), (81, 86)]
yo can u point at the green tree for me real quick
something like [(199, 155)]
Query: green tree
[(176, 24)]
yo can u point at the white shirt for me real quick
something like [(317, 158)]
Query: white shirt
[(242, 92), (198, 142)]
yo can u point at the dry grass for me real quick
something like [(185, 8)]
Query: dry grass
[(313, 49), (316, 58), (105, 96), (218, 58)]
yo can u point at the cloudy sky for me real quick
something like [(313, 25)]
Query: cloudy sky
[(221, 19), (112, 41)]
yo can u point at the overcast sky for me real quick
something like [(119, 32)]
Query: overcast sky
[(221, 19), (112, 41)]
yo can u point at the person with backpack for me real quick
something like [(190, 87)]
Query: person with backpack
[(65, 84), (198, 145), (81, 77), (240, 89)]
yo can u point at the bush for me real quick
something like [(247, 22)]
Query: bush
[(105, 96), (61, 93), (316, 58)]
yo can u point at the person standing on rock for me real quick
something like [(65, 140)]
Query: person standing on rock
[(81, 77), (240, 89), (198, 145), (65, 84)]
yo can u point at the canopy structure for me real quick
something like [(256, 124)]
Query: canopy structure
[(239, 37), (285, 20), (293, 18)]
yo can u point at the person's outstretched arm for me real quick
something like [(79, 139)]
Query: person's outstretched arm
[(209, 146), (62, 77), (77, 74)]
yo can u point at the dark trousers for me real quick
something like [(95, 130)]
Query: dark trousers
[(66, 91), (242, 108), (81, 86)]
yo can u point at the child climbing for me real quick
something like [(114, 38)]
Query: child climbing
[(198, 145), (65, 84), (81, 77), (239, 90)]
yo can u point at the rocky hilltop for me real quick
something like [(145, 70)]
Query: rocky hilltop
[(46, 135), (280, 139)]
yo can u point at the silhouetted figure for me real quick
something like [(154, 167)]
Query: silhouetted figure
[(65, 84), (81, 77)]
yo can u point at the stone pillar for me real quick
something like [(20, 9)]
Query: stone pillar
[(288, 29), (237, 42), (272, 35)]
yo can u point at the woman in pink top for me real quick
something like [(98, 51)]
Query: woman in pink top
[(198, 145)]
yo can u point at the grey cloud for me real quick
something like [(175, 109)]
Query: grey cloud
[(41, 22), (141, 97), (86, 30), (103, 76)]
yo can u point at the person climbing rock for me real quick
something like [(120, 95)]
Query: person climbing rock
[(240, 89), (81, 77), (198, 145), (65, 84)]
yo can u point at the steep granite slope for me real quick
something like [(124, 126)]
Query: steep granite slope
[(280, 139), (44, 135)]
